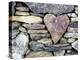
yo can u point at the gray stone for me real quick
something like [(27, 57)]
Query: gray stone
[(22, 29), (73, 24), (71, 40), (37, 14), (39, 54), (50, 8), (22, 8), (34, 26), (71, 35), (39, 36), (35, 46), (21, 45), (76, 10), (59, 53), (56, 25), (37, 31), (63, 41), (75, 45), (74, 19), (73, 15), (14, 33), (46, 41)]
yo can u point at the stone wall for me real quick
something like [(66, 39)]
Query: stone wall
[(42, 30)]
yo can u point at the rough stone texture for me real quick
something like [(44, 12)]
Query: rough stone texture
[(35, 46), (20, 45), (39, 54), (71, 40), (13, 33), (39, 36), (37, 31), (35, 14), (22, 9), (73, 15), (75, 45), (56, 25), (22, 29), (46, 41), (57, 9), (34, 26), (74, 24), (71, 35), (63, 41), (19, 13), (74, 19), (26, 19), (59, 53), (72, 30)]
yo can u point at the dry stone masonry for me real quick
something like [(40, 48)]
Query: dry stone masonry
[(42, 30)]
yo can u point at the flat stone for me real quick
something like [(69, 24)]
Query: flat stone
[(56, 25), (63, 41), (39, 36), (39, 54), (21, 45), (71, 40), (36, 46), (75, 45), (22, 29), (59, 53), (26, 19), (73, 24), (46, 41), (34, 26), (71, 35), (37, 31), (73, 15), (74, 19), (22, 9), (72, 30), (57, 9), (19, 13), (76, 10)]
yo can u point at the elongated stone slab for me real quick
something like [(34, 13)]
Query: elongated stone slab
[(26, 19), (56, 25), (39, 36), (37, 31), (22, 8), (19, 13), (35, 46), (34, 26), (56, 9)]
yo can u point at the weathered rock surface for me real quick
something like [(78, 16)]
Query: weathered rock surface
[(56, 25), (71, 35), (63, 41), (22, 29), (49, 8), (34, 26), (73, 15), (71, 40), (19, 13), (74, 24), (74, 19), (46, 41), (26, 19), (39, 54), (20, 45), (59, 53), (22, 9), (37, 31), (39, 36), (75, 45), (35, 46)]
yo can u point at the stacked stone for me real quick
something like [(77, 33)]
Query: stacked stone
[(42, 30)]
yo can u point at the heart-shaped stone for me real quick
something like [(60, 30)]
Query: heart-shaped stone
[(56, 25)]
